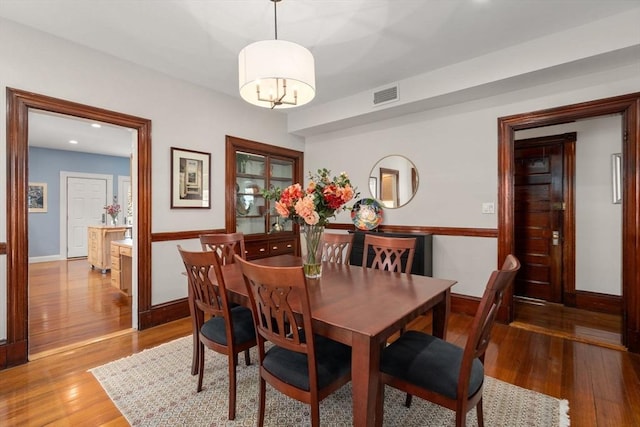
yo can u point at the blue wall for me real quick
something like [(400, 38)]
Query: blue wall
[(45, 166)]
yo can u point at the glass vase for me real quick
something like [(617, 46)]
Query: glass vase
[(312, 257), (114, 220)]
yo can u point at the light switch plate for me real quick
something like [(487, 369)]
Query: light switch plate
[(488, 208)]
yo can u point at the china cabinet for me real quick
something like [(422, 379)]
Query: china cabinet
[(252, 167)]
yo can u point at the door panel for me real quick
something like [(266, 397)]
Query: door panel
[(538, 193), (86, 198)]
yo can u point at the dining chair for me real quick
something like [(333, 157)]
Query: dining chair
[(441, 372), (336, 247), (223, 329), (388, 252), (300, 364), (226, 245)]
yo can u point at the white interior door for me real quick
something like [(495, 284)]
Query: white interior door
[(86, 198)]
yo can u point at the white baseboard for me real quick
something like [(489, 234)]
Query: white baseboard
[(36, 259)]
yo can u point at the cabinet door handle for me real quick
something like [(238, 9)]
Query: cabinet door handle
[(274, 248), (289, 246), (262, 249)]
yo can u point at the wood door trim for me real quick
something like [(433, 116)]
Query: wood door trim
[(629, 107), (18, 104)]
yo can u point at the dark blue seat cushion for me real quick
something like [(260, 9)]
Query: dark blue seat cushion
[(333, 361), (430, 363), (243, 327)]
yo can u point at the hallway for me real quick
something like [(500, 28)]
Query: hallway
[(70, 304)]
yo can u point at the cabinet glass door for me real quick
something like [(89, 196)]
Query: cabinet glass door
[(250, 204), (280, 176)]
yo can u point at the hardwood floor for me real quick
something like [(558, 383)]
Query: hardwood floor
[(567, 322), (601, 384), (71, 304)]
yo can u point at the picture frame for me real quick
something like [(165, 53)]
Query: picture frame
[(37, 197), (373, 186), (616, 182), (190, 179)]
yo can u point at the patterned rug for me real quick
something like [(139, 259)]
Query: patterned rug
[(155, 388)]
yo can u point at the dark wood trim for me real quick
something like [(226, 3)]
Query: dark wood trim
[(594, 301), (182, 235), (629, 107), (440, 231), (464, 304), (18, 104), (164, 313), (3, 248)]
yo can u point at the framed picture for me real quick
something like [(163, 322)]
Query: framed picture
[(190, 179), (37, 197), (373, 186), (616, 169)]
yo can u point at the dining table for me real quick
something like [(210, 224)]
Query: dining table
[(360, 307)]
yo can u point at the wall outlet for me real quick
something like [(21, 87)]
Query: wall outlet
[(488, 208)]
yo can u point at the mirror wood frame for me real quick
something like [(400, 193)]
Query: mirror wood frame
[(18, 104), (629, 107)]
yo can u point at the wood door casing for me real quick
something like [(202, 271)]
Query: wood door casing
[(629, 106), (538, 211)]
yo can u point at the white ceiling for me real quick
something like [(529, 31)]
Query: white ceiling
[(358, 45)]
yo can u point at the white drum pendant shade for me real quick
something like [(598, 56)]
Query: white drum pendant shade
[(266, 66)]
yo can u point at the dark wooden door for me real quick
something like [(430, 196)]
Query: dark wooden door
[(539, 206)]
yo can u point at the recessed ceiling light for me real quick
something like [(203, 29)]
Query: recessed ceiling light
[(96, 125), (73, 141)]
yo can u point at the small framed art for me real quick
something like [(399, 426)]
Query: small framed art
[(37, 197), (190, 178)]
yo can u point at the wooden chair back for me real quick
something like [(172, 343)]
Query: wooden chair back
[(225, 245), (389, 252), (210, 299), (485, 317), (336, 247), (272, 291)]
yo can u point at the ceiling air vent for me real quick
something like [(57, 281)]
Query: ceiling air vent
[(385, 95)]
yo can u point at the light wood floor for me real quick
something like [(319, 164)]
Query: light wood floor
[(69, 303)]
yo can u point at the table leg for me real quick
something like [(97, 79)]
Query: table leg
[(365, 364), (441, 316)]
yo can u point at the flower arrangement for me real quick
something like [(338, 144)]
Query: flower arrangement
[(322, 199), (312, 207), (113, 210)]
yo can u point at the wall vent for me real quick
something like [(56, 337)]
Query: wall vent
[(385, 95)]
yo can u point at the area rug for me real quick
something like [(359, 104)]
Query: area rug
[(155, 388)]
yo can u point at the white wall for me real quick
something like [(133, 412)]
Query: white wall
[(598, 220), (455, 151), (182, 115)]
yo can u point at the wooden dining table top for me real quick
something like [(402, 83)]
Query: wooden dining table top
[(352, 298), (361, 307)]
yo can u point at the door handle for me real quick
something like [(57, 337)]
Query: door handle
[(555, 237)]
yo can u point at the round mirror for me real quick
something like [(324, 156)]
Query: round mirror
[(393, 181)]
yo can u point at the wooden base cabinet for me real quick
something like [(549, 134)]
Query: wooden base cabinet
[(121, 254), (99, 245)]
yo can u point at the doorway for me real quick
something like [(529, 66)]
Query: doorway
[(18, 105), (628, 106)]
